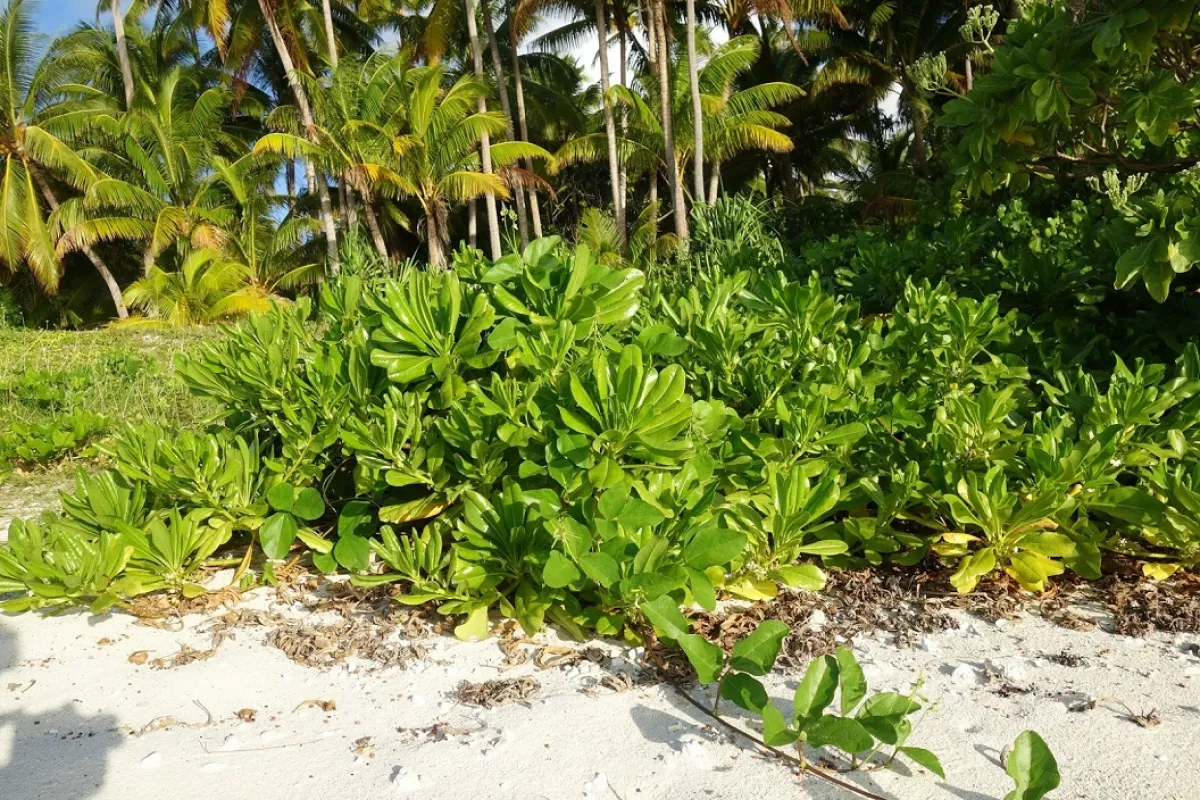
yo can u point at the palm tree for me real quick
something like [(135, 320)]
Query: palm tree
[(267, 9), (206, 288), (736, 121), (610, 128), (485, 142), (355, 118), (506, 107), (697, 110), (520, 17), (879, 42), (123, 52), (660, 56), (272, 253), (438, 136), (158, 154), (34, 160)]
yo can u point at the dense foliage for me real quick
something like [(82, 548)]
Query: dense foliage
[(195, 160), (559, 439)]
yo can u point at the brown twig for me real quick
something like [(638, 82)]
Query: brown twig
[(804, 766)]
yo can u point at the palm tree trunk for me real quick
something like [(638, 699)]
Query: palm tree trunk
[(114, 289), (623, 32), (679, 205), (433, 232), (523, 125), (376, 232), (714, 182), (327, 11), (123, 52), (610, 127), (506, 107), (351, 205), (697, 111), (472, 224), (485, 142), (306, 119)]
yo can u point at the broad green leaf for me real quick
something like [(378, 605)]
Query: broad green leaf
[(664, 615), (475, 627), (702, 589), (776, 732), (745, 692), (1032, 767), (705, 657), (756, 653), (355, 519), (841, 732), (800, 576), (353, 552), (308, 504), (713, 547), (281, 496), (926, 759), (851, 679), (277, 533), (816, 690), (559, 572), (601, 568)]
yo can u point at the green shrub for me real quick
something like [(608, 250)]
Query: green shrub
[(549, 437)]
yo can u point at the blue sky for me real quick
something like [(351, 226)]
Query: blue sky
[(56, 16)]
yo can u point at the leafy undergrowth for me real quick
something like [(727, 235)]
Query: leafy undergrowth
[(556, 440), (61, 390)]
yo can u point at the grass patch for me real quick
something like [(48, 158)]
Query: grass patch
[(61, 390)]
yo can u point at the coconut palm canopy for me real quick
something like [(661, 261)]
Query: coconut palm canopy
[(191, 159)]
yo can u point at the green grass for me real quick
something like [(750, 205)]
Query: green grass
[(50, 378)]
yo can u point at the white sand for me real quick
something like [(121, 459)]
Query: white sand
[(67, 704), (70, 699)]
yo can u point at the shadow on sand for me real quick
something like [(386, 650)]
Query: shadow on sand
[(57, 753)]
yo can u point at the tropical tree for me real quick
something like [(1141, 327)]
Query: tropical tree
[(736, 121), (438, 136), (206, 288), (37, 163), (876, 44), (158, 153), (355, 118)]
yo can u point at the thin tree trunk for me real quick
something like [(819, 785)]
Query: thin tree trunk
[(114, 289), (622, 30), (679, 205), (714, 181), (306, 119), (123, 52), (506, 107), (697, 110), (376, 232), (969, 70), (919, 149), (485, 142), (289, 174), (610, 127), (647, 13), (523, 125), (472, 224), (351, 205), (437, 255), (327, 11)]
